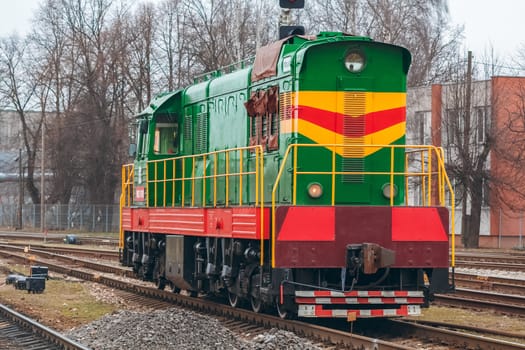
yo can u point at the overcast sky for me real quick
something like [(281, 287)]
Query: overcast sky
[(496, 23)]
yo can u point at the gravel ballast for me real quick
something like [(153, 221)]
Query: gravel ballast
[(177, 329)]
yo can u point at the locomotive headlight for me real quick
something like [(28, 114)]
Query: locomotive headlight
[(388, 190), (315, 190), (355, 62)]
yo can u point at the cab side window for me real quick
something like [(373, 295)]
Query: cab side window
[(166, 138)]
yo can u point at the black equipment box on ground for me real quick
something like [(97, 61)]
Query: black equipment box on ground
[(40, 271), (35, 284), (20, 282)]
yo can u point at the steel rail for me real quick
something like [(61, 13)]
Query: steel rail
[(48, 334), (324, 334), (457, 339), (327, 335)]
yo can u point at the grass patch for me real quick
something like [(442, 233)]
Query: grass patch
[(64, 304), (484, 319)]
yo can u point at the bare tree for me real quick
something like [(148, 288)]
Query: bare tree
[(18, 89), (172, 45), (140, 30), (421, 26), (99, 56), (52, 39), (220, 38), (484, 128)]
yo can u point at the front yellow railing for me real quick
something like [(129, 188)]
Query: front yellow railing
[(423, 163)]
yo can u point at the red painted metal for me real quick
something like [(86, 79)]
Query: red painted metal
[(418, 224), (308, 224), (318, 311), (357, 225), (369, 301), (240, 222)]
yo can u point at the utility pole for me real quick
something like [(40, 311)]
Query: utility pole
[(465, 224), (20, 190), (42, 181)]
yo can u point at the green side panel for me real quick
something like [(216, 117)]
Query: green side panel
[(163, 187), (227, 116), (162, 101), (196, 93), (211, 117)]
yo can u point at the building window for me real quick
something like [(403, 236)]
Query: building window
[(482, 115), (424, 129), (454, 126)]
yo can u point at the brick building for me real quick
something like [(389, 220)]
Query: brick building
[(494, 103)]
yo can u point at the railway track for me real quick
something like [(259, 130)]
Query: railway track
[(476, 299), (97, 253), (516, 258), (491, 283), (21, 332), (456, 336), (491, 261), (330, 337), (57, 238)]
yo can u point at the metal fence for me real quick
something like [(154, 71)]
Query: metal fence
[(85, 218), (498, 228)]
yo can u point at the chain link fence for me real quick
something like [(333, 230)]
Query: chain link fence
[(508, 231), (85, 218)]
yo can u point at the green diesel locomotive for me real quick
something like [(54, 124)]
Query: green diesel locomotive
[(287, 183)]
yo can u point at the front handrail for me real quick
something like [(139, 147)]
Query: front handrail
[(432, 169)]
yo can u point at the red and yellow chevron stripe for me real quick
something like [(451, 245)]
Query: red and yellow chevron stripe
[(320, 116)]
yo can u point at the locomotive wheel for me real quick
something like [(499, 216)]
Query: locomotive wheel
[(161, 283), (256, 304), (233, 299), (281, 311), (175, 289)]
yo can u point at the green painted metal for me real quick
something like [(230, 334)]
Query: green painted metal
[(211, 116)]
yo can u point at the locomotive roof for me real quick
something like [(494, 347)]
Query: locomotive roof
[(265, 64), (157, 102)]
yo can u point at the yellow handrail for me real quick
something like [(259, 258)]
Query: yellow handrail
[(126, 196), (213, 177), (425, 173), (238, 154)]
